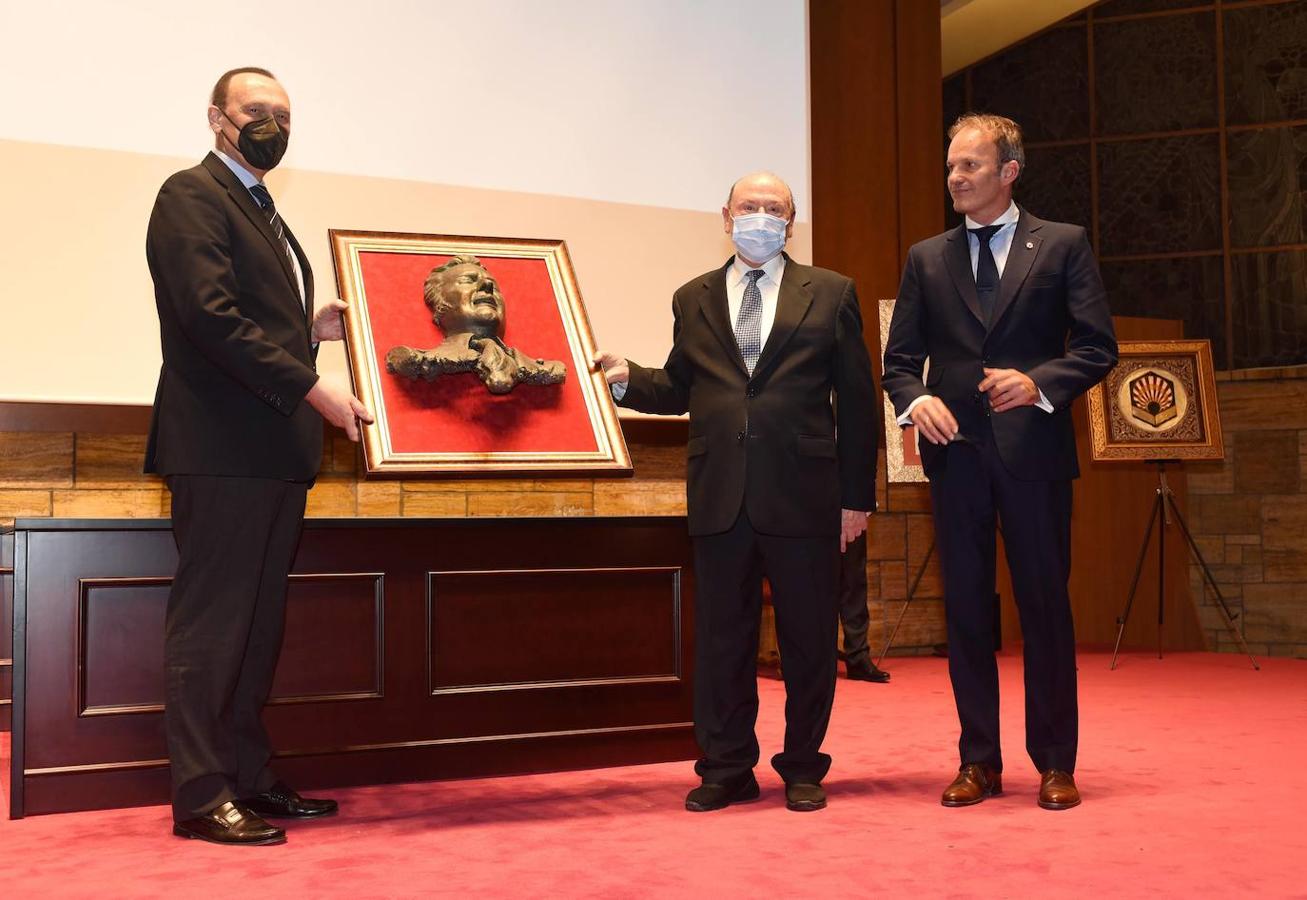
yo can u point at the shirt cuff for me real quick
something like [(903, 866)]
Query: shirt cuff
[(1043, 402), (618, 389), (906, 419)]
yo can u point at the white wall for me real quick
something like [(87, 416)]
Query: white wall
[(657, 103)]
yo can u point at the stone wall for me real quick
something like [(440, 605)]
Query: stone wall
[(1249, 513), (80, 475)]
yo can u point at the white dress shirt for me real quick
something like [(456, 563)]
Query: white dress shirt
[(769, 286), (247, 178), (999, 245)]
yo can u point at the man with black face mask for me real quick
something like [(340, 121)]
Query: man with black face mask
[(237, 434), (778, 482)]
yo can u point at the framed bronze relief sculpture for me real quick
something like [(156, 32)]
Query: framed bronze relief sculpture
[(1159, 403), (474, 355)]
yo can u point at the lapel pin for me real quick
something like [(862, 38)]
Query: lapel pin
[(1030, 245)]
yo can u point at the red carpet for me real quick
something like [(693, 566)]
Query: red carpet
[(1191, 770)]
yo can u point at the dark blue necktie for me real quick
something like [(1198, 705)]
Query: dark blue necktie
[(986, 270), (748, 323)]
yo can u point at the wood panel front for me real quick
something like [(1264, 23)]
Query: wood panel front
[(6, 627), (414, 649)]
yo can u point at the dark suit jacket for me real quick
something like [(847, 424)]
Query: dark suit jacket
[(237, 359), (1050, 321), (769, 442)]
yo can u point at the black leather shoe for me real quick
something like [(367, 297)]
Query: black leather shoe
[(280, 802), (707, 797), (802, 797), (230, 823), (865, 670)]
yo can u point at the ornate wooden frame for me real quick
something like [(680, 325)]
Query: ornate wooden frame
[(610, 458), (1194, 403)]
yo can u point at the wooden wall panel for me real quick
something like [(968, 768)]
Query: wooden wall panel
[(877, 157), (585, 624), (559, 681), (6, 627)]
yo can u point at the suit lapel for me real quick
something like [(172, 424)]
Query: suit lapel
[(1020, 257), (243, 199), (791, 306), (957, 257), (306, 270), (717, 312)]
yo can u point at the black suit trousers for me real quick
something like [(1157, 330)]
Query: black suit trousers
[(854, 618), (971, 491), (803, 573), (236, 540)]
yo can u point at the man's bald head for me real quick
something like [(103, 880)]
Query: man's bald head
[(756, 190)]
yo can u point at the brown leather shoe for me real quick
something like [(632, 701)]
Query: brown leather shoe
[(974, 783), (1058, 790)]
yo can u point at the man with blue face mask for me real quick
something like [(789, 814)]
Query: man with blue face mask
[(779, 480)]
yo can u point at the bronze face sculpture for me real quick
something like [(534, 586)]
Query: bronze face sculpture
[(467, 306)]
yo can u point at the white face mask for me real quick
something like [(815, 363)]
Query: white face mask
[(758, 236)]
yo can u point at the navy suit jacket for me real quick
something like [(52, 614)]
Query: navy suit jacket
[(1050, 320)]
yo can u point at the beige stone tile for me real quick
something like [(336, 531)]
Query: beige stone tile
[(576, 486), (909, 498), (530, 503), (923, 624), (1225, 513), (331, 499), (1263, 405), (467, 485), (378, 498), (890, 580), (30, 459), (124, 503), (1279, 566), (1275, 612), (433, 504), (1284, 523), (1213, 548), (112, 460), (341, 456), (649, 498), (887, 536), (1266, 462), (1212, 477), (15, 504)]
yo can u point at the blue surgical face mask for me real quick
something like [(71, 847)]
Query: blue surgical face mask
[(758, 236)]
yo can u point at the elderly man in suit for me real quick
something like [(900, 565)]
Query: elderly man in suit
[(237, 433), (1012, 314), (778, 482)]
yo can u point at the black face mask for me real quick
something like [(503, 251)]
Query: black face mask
[(262, 142)]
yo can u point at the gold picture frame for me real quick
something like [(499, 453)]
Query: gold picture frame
[(902, 458), (454, 425), (1158, 403)]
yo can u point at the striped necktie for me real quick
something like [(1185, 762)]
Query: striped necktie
[(264, 199), (748, 323)]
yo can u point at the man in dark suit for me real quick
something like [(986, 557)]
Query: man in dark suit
[(854, 618), (237, 433), (1012, 314), (778, 482)]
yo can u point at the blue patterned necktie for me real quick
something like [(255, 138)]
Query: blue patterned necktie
[(986, 270), (748, 324), (260, 193)]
